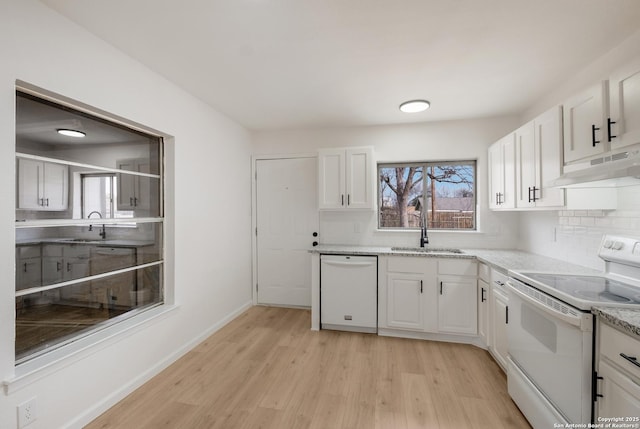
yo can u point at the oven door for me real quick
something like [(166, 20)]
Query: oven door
[(552, 350)]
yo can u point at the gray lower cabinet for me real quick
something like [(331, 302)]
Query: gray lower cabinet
[(114, 290)]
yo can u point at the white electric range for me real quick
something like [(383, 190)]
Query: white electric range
[(551, 332)]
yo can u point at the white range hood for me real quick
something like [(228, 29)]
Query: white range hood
[(611, 171)]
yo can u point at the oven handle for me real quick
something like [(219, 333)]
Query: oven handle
[(572, 320)]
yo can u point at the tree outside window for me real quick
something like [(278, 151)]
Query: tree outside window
[(443, 191)]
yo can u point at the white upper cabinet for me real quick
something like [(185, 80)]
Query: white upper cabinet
[(42, 185), (134, 190), (623, 124), (585, 119), (502, 173), (539, 160), (346, 178)]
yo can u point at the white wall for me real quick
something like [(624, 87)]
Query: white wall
[(211, 229), (414, 142)]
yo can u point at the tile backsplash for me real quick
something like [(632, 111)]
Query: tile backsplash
[(575, 235)]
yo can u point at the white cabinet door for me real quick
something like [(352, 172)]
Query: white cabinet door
[(620, 395), (499, 315), (30, 192), (548, 147), (539, 160), (56, 186), (331, 180), (133, 190), (42, 185), (584, 117), (502, 173), (525, 165), (345, 178), (52, 270), (405, 304), (359, 176), (496, 174), (457, 305), (624, 92), (483, 311)]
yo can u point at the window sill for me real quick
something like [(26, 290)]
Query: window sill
[(429, 232), (39, 367)]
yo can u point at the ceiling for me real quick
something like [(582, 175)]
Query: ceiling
[(274, 64)]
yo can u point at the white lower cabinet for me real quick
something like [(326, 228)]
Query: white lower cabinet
[(457, 305), (498, 318), (423, 294), (483, 311), (618, 387), (409, 294)]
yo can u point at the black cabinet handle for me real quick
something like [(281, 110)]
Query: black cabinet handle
[(315, 243), (482, 297), (315, 234), (506, 315), (609, 123), (420, 286), (533, 192), (497, 200), (342, 196), (440, 288), (632, 359), (25, 267), (529, 194), (594, 142), (348, 199)]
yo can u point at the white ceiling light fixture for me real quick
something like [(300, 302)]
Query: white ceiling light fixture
[(414, 106), (71, 133)]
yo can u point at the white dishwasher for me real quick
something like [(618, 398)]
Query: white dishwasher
[(349, 293)]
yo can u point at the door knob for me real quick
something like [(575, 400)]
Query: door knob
[(315, 234), (315, 243)]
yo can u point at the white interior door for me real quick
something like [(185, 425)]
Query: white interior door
[(286, 219)]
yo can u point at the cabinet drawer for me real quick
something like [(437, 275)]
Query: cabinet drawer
[(410, 264), (499, 281), (52, 250), (31, 251), (613, 344), (457, 267), (484, 272)]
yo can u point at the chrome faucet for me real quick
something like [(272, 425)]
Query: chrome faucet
[(103, 231), (424, 239)]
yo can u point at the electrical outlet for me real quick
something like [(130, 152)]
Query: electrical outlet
[(27, 413)]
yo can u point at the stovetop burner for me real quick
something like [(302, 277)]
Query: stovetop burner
[(584, 291)]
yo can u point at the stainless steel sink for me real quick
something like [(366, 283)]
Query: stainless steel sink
[(427, 250)]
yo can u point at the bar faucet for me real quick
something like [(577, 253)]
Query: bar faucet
[(103, 231), (424, 239)]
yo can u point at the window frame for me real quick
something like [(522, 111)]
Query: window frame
[(135, 315), (424, 165)]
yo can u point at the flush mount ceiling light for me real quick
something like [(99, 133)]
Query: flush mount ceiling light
[(71, 133), (414, 106)]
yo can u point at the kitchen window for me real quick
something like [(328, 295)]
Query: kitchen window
[(99, 195), (442, 194), (89, 224)]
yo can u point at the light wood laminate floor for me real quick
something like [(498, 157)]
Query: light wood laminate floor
[(267, 369)]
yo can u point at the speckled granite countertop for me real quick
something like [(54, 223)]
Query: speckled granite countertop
[(501, 260), (382, 250), (625, 319), (505, 260)]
